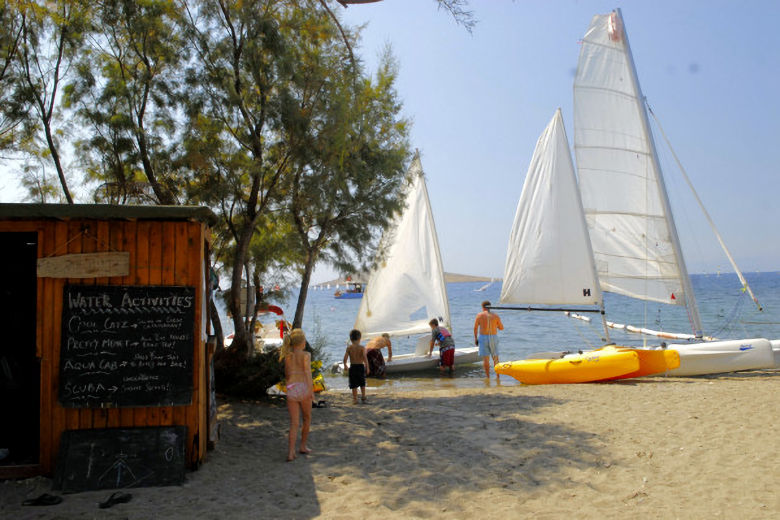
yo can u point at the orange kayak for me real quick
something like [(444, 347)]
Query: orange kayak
[(650, 361)]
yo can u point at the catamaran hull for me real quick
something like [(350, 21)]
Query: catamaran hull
[(776, 351), (417, 362), (573, 368), (719, 357)]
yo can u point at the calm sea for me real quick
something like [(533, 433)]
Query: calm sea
[(725, 310)]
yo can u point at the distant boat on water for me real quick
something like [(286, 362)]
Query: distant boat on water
[(485, 286), (354, 290)]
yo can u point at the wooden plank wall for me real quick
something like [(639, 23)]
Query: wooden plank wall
[(161, 253)]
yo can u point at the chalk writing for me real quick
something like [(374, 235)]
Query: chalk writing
[(126, 346), (115, 458)]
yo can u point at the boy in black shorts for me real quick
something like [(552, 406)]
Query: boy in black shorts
[(358, 365)]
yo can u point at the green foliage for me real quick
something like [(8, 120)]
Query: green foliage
[(247, 377), (257, 110), (13, 113), (349, 173), (51, 36), (126, 91)]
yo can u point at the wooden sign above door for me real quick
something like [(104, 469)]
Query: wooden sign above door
[(85, 265)]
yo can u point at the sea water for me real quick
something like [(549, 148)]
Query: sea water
[(726, 313)]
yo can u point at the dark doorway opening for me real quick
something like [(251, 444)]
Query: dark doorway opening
[(20, 373)]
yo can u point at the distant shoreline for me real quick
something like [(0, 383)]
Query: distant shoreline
[(448, 278)]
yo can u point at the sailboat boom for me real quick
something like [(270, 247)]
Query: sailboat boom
[(554, 309)]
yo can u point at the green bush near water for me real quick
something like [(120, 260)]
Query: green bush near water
[(242, 376)]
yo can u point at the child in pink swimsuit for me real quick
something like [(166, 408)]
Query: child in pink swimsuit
[(299, 389)]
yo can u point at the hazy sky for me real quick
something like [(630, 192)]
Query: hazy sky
[(479, 101)]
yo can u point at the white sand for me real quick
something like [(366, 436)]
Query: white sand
[(652, 448)]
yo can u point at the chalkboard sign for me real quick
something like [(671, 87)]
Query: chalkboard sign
[(114, 458), (126, 346)]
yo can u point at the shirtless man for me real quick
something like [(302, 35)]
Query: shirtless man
[(486, 327)]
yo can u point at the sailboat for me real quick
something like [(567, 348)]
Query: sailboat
[(550, 262), (613, 230), (484, 287), (406, 288)]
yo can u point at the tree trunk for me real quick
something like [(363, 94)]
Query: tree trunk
[(305, 279), (164, 196), (217, 324), (55, 156), (242, 339)]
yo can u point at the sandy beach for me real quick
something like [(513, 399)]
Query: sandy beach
[(650, 448)]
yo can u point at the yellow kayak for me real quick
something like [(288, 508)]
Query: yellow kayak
[(573, 368), (650, 361)]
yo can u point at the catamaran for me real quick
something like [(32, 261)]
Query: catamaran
[(611, 229)]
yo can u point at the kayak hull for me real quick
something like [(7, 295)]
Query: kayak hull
[(651, 361), (573, 368)]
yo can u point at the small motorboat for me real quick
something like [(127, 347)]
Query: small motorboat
[(354, 290)]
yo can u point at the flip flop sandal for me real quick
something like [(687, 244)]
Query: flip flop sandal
[(115, 498), (43, 500)]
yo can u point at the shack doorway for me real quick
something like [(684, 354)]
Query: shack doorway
[(20, 374)]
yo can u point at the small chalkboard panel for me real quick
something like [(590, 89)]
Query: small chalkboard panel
[(115, 458), (126, 346)]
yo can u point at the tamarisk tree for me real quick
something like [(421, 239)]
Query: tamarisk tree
[(346, 180)]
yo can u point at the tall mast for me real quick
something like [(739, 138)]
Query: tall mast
[(690, 299), (435, 239)]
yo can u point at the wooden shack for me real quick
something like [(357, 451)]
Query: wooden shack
[(105, 323)]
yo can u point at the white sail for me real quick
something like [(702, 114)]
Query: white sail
[(549, 260), (633, 235), (406, 289)]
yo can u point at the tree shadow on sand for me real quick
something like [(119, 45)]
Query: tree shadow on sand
[(415, 449)]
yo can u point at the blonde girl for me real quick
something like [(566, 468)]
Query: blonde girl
[(297, 372)]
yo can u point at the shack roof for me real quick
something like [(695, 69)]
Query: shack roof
[(18, 211)]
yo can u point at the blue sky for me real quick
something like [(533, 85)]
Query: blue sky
[(479, 101)]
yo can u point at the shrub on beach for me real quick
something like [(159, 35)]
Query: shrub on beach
[(238, 375)]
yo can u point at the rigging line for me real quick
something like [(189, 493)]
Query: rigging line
[(581, 335), (706, 213), (732, 317)]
